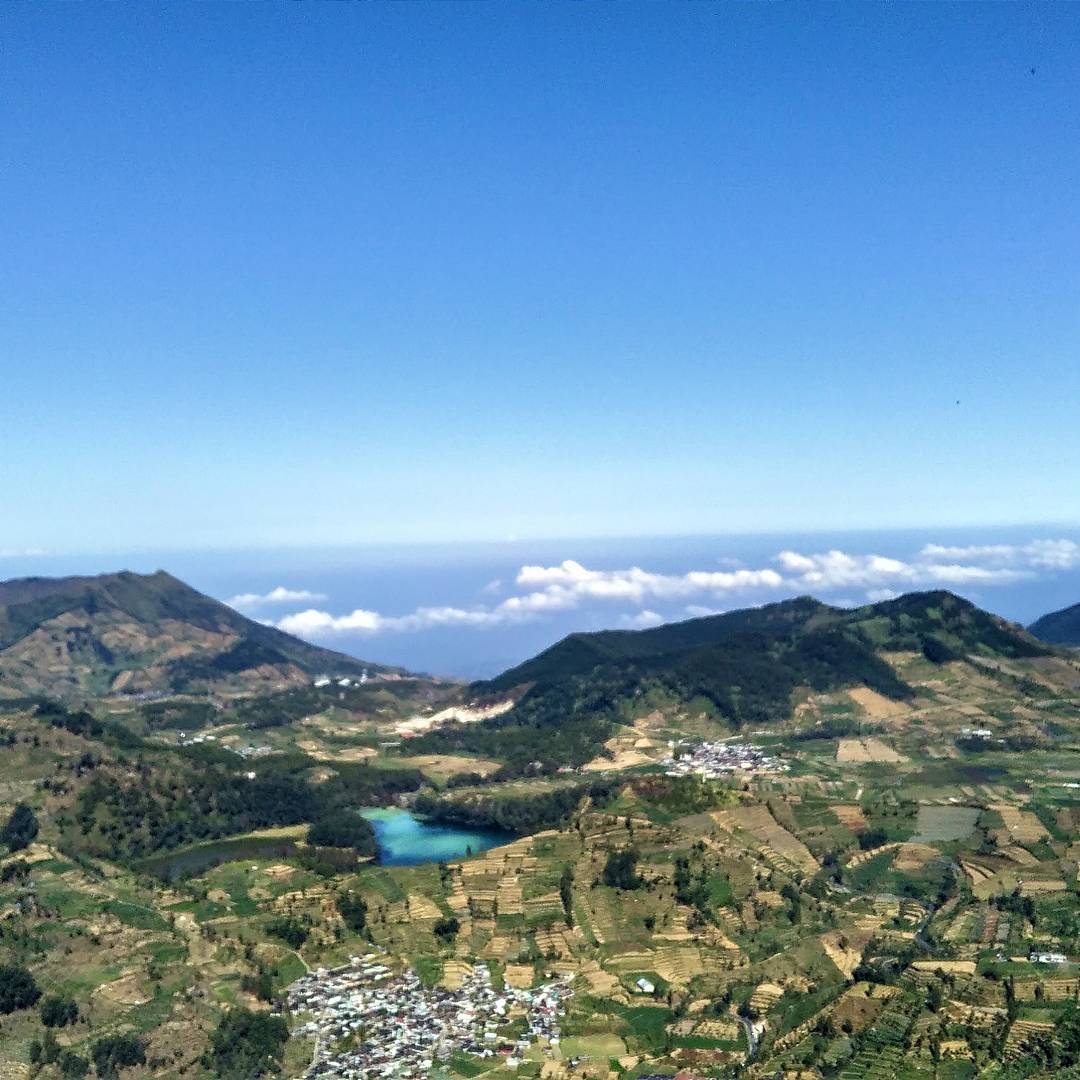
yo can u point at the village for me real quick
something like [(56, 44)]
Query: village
[(712, 760), (369, 1022)]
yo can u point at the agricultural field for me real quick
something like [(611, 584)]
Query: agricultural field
[(902, 899)]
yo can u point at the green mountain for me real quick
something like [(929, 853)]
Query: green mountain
[(1059, 627), (744, 667), (939, 622), (143, 633)]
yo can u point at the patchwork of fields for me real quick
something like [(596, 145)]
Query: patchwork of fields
[(902, 901)]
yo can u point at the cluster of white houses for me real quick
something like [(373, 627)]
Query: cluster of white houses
[(713, 760), (321, 681), (368, 1022)]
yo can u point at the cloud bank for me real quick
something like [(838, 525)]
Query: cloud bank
[(280, 595), (569, 585)]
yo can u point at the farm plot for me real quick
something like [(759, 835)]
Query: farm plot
[(875, 705), (851, 817), (774, 838), (867, 751), (1022, 826), (939, 824)]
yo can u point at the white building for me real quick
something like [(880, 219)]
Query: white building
[(1047, 958)]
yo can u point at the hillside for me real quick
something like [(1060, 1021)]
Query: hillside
[(745, 669), (906, 622), (893, 835), (139, 633), (1059, 627)]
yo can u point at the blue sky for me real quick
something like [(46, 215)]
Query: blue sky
[(333, 274)]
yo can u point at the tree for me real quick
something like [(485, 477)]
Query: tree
[(247, 1044), (344, 829), (446, 930), (620, 870), (1067, 1033), (566, 893), (73, 1066), (116, 1052), (58, 1011), (260, 986), (50, 1048), (17, 988), (291, 931), (353, 909), (20, 829)]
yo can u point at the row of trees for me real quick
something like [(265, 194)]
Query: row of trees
[(522, 813)]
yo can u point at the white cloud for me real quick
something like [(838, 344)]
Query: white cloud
[(22, 553), (641, 621), (315, 623), (572, 582), (280, 595), (979, 552), (875, 596), (1038, 554), (840, 570), (569, 585), (1053, 554)]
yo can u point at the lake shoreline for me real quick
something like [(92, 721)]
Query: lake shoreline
[(404, 837)]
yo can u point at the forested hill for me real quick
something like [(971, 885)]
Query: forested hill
[(143, 632), (745, 666), (940, 620), (1059, 627), (580, 653)]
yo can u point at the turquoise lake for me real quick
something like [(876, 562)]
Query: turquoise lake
[(405, 839)]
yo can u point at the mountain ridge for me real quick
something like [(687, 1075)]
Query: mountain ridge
[(1060, 627), (745, 667), (145, 633), (938, 613)]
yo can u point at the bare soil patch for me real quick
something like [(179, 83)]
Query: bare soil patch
[(868, 750)]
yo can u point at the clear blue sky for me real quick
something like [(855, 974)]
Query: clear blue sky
[(323, 273)]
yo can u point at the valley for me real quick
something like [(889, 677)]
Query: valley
[(795, 840)]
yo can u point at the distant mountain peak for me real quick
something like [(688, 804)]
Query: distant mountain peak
[(124, 632)]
